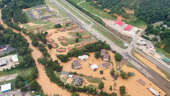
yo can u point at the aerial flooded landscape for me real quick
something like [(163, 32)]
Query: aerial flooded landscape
[(84, 48)]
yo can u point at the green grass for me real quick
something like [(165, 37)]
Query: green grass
[(112, 37), (75, 12), (22, 72), (164, 52), (136, 22), (98, 12), (54, 6), (93, 79)]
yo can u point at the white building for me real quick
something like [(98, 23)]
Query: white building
[(3, 62), (83, 57), (94, 67), (5, 88), (14, 58), (154, 92)]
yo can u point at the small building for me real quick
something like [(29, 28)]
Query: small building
[(14, 58), (154, 92), (83, 57), (119, 22), (5, 88), (3, 62), (105, 65), (76, 64), (128, 27), (94, 67), (3, 48), (61, 50), (103, 52), (106, 58), (78, 81)]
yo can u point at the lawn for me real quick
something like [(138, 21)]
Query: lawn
[(75, 12), (164, 52), (22, 72), (112, 37), (97, 12)]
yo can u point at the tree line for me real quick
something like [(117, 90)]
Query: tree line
[(150, 11), (94, 47), (12, 13)]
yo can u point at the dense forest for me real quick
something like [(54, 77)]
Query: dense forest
[(12, 13), (164, 35), (150, 11)]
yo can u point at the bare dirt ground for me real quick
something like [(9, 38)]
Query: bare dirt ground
[(150, 64), (133, 87), (128, 11), (119, 17), (47, 86)]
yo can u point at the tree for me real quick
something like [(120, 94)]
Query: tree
[(19, 83), (34, 86), (57, 26), (118, 57), (101, 71), (110, 88), (112, 72), (122, 90), (123, 74), (101, 85), (97, 54), (50, 46), (113, 94), (75, 94)]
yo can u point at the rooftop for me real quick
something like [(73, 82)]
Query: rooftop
[(119, 22), (128, 27)]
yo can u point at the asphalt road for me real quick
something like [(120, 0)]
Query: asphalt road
[(149, 73)]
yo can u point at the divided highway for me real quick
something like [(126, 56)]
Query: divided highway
[(126, 53)]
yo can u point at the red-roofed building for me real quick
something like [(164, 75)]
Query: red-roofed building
[(128, 27), (119, 22)]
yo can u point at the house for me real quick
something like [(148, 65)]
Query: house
[(103, 52), (128, 27), (78, 81), (83, 57), (61, 50), (76, 64), (94, 67), (3, 62), (106, 58), (119, 22), (14, 58), (3, 48), (105, 55), (154, 92), (5, 88), (105, 65)]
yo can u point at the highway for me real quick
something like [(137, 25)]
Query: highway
[(126, 53)]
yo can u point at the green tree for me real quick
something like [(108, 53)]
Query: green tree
[(110, 88), (57, 26), (75, 94), (122, 90), (101, 85), (118, 57), (97, 54)]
